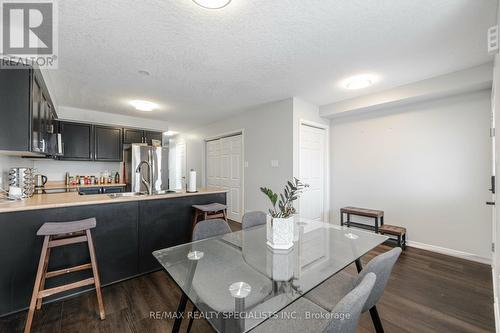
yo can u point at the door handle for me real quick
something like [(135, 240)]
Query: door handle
[(490, 203)]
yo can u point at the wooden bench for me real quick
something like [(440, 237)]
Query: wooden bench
[(393, 230), (377, 215)]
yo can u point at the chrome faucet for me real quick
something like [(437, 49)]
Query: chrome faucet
[(148, 183)]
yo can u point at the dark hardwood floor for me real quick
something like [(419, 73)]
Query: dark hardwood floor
[(427, 292)]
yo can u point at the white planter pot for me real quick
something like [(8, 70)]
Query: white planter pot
[(280, 233)]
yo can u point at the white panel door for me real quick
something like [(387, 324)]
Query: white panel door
[(213, 163), (224, 169), (312, 157)]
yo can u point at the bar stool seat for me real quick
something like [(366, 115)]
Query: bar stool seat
[(209, 211), (50, 229), (213, 207), (61, 234)]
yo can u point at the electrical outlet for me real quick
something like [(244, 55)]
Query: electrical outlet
[(275, 164), (246, 164)]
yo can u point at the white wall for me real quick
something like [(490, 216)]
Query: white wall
[(427, 165), (268, 135), (99, 117), (56, 170)]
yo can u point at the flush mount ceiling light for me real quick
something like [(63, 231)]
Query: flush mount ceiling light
[(170, 133), (212, 4), (143, 105), (359, 81)]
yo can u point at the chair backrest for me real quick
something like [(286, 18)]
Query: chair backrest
[(252, 219), (345, 315), (210, 228), (382, 266)]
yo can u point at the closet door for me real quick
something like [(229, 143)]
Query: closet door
[(224, 164), (213, 163), (231, 167)]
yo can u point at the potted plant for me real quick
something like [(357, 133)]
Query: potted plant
[(280, 218)]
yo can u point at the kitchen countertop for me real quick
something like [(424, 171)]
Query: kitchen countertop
[(69, 199)]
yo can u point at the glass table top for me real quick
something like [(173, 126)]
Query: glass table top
[(237, 281)]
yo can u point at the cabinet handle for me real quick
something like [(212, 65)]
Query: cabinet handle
[(490, 203)]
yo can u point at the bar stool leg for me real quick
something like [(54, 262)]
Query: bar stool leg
[(97, 282), (42, 283), (225, 215), (36, 287)]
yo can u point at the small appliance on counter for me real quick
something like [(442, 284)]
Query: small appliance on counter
[(24, 179), (40, 181)]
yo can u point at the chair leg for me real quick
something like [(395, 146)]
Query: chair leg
[(191, 320), (36, 287), (225, 215), (97, 282), (42, 283), (377, 323)]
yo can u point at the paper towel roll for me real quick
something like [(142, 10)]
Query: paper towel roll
[(192, 181)]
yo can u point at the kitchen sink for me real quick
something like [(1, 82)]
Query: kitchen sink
[(165, 192), (126, 194)]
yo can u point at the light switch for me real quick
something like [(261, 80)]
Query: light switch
[(275, 163), (246, 164)]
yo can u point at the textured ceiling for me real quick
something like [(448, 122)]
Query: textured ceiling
[(205, 64)]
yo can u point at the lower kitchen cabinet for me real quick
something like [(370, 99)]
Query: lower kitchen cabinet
[(125, 236), (115, 241)]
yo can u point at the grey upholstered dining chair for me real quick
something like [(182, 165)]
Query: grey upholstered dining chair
[(253, 219), (210, 228), (206, 229), (310, 318), (327, 295)]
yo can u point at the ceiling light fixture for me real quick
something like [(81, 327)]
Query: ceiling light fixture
[(359, 81), (143, 105), (212, 4), (170, 133)]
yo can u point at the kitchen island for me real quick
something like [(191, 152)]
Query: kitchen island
[(128, 230)]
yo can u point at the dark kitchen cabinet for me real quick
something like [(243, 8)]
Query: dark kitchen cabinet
[(133, 136), (108, 144), (26, 110), (149, 136), (77, 141)]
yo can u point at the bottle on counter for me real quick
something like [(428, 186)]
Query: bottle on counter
[(117, 178), (68, 180)]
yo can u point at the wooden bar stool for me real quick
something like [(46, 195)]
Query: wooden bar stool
[(210, 211), (60, 234)]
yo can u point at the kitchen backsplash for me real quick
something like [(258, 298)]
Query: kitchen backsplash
[(7, 162), (56, 170)]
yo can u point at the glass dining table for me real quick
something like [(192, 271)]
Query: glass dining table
[(236, 282)]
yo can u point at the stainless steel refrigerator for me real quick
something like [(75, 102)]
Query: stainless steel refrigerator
[(157, 157)]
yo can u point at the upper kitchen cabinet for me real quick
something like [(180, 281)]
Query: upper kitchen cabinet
[(108, 144), (133, 136), (77, 141), (149, 136), (28, 113)]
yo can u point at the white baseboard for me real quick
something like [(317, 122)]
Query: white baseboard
[(450, 252)]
